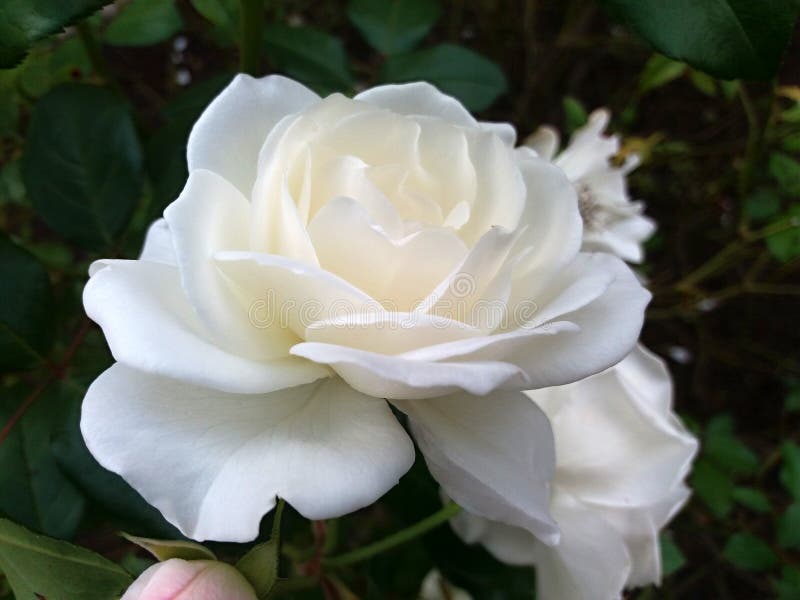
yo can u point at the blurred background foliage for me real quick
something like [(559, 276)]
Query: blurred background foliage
[(93, 126)]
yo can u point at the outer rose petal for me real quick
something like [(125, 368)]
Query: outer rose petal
[(149, 325), (177, 579), (158, 244), (590, 563), (419, 98), (229, 134), (544, 141), (214, 463), (493, 455)]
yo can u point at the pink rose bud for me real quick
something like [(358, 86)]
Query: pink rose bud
[(177, 579)]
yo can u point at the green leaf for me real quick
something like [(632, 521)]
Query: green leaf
[(704, 83), (393, 26), (82, 165), (49, 65), (788, 588), (26, 312), (753, 499), (789, 527), (11, 188), (33, 490), (785, 245), (166, 549), (714, 487), (786, 172), (791, 143), (575, 114), (311, 56), (749, 552), (24, 22), (792, 402), (40, 567), (659, 71), (790, 470), (144, 22), (729, 452), (224, 14), (672, 559), (260, 565), (727, 38), (467, 75), (761, 205)]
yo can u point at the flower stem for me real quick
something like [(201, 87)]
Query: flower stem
[(251, 27), (396, 539)]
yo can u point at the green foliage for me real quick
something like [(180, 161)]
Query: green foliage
[(27, 21), (35, 491), (749, 552), (40, 567), (659, 71), (144, 22), (672, 558), (393, 26), (785, 244), (470, 77), (26, 312), (790, 469), (224, 14), (753, 499), (789, 527), (575, 114), (762, 204), (167, 549), (786, 172), (788, 588), (84, 138), (714, 487), (312, 56), (731, 39)]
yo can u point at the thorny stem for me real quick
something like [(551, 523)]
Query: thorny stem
[(396, 539)]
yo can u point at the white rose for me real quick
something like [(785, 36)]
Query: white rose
[(622, 455), (611, 222), (325, 255)]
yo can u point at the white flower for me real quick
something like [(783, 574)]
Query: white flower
[(622, 455), (611, 222), (326, 255)]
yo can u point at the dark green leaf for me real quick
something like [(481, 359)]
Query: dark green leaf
[(224, 14), (792, 402), (749, 552), (467, 75), (785, 245), (730, 453), (762, 204), (786, 172), (49, 65), (83, 166), (11, 188), (26, 323), (752, 499), (789, 527), (788, 588), (40, 567), (714, 487), (790, 470), (732, 39), (24, 22), (144, 22), (393, 26), (33, 491), (311, 56), (672, 559)]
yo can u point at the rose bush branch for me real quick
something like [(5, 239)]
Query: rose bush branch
[(251, 28)]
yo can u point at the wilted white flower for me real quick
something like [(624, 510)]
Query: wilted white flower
[(177, 579), (611, 221), (622, 455), (326, 255)]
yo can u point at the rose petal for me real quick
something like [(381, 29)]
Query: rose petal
[(213, 463), (229, 134), (150, 326), (544, 141), (418, 98), (493, 455)]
